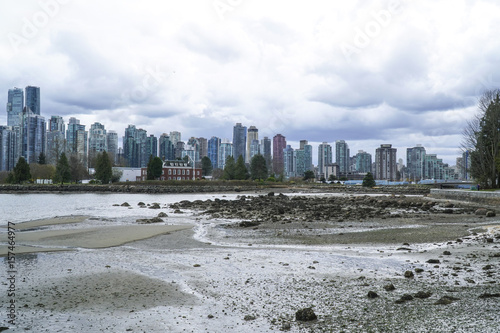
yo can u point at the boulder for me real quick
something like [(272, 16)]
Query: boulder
[(306, 314)]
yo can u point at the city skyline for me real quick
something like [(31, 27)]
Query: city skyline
[(395, 72)]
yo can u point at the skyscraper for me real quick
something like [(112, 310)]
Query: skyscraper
[(7, 148), (77, 139), (415, 162), (265, 150), (34, 133), (33, 99), (324, 158), (363, 162), (151, 146), (342, 155), (239, 141), (213, 151), (112, 143), (303, 158), (15, 107), (385, 162), (97, 142), (56, 142), (289, 164), (252, 134), (167, 148), (203, 147), (279, 143), (225, 150)]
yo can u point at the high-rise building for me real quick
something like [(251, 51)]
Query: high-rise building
[(385, 161), (239, 141), (175, 137), (77, 139), (203, 147), (303, 158), (252, 134), (324, 158), (279, 143), (254, 149), (167, 148), (415, 162), (34, 136), (179, 148), (112, 143), (33, 99), (342, 156), (194, 145), (131, 147), (8, 143), (98, 142), (363, 162), (225, 150), (151, 146), (213, 151), (15, 107), (56, 142), (289, 164), (265, 150)]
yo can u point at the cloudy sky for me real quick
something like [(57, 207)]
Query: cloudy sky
[(368, 72)]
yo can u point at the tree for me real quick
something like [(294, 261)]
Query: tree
[(258, 167), (42, 159), (77, 168), (42, 171), (63, 172), (155, 168), (229, 168), (481, 138), (206, 166), (240, 170), (368, 180), (332, 178), (309, 175), (21, 171), (103, 168), (116, 175)]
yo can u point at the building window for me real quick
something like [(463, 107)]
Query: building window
[(169, 172), (183, 172)]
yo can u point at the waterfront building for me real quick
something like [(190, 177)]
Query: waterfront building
[(324, 158), (342, 156), (8, 143), (363, 162), (415, 163), (175, 170), (77, 139), (34, 136), (112, 144)]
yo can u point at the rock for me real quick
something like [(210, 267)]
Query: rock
[(210, 316), (196, 265), (177, 211), (249, 317), (162, 214), (487, 267), (155, 205), (404, 298), (141, 204), (490, 213), (306, 314), (389, 287), (488, 295), (445, 300), (423, 294), (481, 211), (247, 224), (125, 204), (372, 294), (286, 327), (409, 274), (433, 261), (418, 270), (270, 194), (447, 253)]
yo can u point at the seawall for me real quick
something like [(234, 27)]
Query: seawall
[(490, 198)]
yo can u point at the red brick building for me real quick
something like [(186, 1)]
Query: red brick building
[(175, 170)]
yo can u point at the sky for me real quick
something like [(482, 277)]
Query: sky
[(368, 72)]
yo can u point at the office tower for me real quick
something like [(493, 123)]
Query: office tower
[(33, 99), (97, 142), (415, 158), (77, 139), (289, 162), (194, 145), (34, 136), (112, 143), (15, 107), (252, 134), (8, 144), (225, 150), (151, 146), (203, 147), (363, 162), (342, 156), (130, 153), (463, 166), (254, 149), (56, 141), (324, 158), (239, 141), (213, 151), (265, 150), (385, 161), (179, 148), (167, 148), (175, 137), (279, 143)]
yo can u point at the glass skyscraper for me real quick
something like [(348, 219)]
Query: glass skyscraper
[(15, 106), (33, 99), (239, 141), (213, 151)]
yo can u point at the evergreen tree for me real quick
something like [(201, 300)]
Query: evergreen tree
[(103, 168), (308, 175), (240, 170), (42, 159), (155, 168), (63, 172), (368, 180), (258, 167), (229, 168), (206, 166), (21, 171)]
